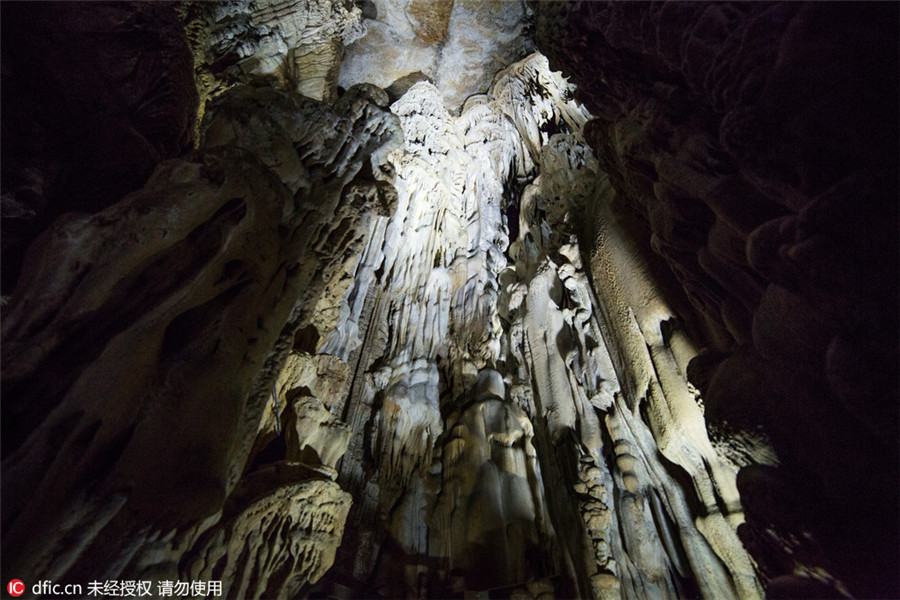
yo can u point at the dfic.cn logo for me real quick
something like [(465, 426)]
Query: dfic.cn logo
[(15, 587)]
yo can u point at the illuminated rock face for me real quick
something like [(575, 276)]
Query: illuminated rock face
[(520, 425), (411, 341), (459, 45), (277, 544), (324, 306), (297, 41)]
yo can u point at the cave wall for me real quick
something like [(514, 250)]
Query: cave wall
[(93, 101), (145, 333), (628, 340), (753, 149)]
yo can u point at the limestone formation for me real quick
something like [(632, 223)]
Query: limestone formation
[(298, 41), (520, 428), (168, 316), (380, 304), (276, 545), (438, 40), (758, 168), (489, 461)]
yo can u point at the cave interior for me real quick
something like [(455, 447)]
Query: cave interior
[(451, 298)]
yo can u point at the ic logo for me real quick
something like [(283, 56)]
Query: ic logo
[(15, 587)]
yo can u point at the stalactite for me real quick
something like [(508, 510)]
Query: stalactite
[(398, 325), (534, 404)]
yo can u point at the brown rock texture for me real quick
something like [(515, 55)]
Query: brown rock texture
[(459, 45), (142, 342), (432, 17), (753, 148), (277, 544), (299, 42)]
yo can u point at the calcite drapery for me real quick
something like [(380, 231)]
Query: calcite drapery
[(300, 42), (277, 544), (489, 508), (520, 424)]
